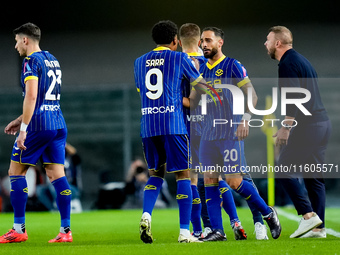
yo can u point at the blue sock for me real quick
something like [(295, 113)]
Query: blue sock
[(18, 196), (151, 192), (204, 210), (196, 210), (213, 201), (248, 191), (184, 200), (257, 216), (228, 202), (63, 200)]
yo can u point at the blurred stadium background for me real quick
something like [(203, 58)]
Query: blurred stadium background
[(97, 43)]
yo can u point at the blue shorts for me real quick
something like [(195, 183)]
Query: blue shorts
[(172, 150), (222, 156), (48, 145)]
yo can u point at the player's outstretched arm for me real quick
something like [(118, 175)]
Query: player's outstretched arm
[(195, 94)]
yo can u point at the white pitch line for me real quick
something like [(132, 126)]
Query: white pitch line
[(297, 219)]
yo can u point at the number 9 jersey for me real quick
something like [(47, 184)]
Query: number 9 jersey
[(158, 77), (44, 67)]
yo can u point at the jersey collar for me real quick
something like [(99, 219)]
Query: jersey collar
[(195, 54), (216, 63), (33, 52), (161, 48)]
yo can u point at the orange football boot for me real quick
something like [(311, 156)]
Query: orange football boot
[(62, 238), (13, 236)]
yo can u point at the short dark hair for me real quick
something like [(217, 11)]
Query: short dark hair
[(217, 31), (29, 29), (164, 32)]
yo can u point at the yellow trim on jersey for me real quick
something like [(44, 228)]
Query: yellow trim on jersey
[(31, 78), (194, 83), (31, 54), (195, 54), (243, 82), (138, 90), (216, 63), (161, 48)]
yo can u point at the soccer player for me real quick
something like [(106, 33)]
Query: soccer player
[(306, 143), (158, 76), (42, 133), (223, 144), (189, 40), (189, 35)]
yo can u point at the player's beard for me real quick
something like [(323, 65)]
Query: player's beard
[(212, 53), (272, 52)]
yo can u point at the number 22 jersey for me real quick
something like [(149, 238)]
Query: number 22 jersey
[(44, 67)]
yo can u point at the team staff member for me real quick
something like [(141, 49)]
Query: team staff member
[(306, 142), (42, 133)]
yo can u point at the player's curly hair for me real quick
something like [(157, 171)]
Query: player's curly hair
[(164, 32), (29, 29)]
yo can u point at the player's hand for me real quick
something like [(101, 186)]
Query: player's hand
[(196, 63), (186, 102), (242, 131), (21, 140), (282, 136), (13, 127)]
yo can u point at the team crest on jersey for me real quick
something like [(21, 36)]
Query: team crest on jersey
[(219, 72)]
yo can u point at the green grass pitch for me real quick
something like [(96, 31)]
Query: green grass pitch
[(117, 232)]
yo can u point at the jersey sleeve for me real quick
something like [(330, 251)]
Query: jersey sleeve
[(190, 71), (31, 69), (136, 69), (239, 74)]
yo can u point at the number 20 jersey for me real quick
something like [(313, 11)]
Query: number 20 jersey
[(158, 77), (44, 67)]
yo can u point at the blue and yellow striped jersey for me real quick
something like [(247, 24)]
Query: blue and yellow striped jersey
[(224, 71), (45, 68), (192, 118), (158, 77)]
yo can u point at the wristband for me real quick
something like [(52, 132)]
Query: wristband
[(23, 127), (288, 127), (246, 116)]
